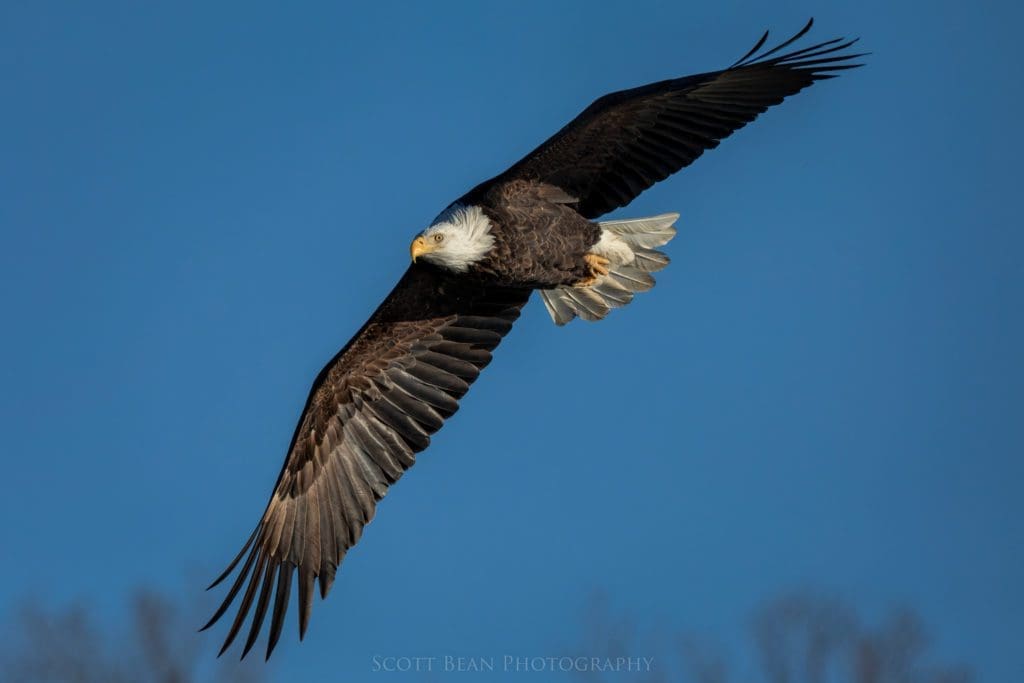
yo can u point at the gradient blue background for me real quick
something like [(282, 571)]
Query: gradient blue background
[(200, 204)]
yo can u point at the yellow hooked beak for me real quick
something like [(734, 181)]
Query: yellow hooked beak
[(419, 247)]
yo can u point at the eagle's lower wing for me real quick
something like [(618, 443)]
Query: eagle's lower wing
[(626, 141), (371, 409)]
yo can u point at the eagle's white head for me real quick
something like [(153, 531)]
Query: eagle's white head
[(457, 239)]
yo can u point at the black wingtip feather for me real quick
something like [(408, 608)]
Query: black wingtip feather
[(261, 609), (809, 57), (326, 579), (235, 587), (243, 608), (234, 562), (752, 51), (306, 578), (284, 590), (800, 34)]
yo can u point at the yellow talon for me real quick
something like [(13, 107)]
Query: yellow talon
[(598, 264), (598, 267)]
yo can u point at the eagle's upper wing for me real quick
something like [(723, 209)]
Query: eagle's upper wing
[(626, 141), (371, 409)]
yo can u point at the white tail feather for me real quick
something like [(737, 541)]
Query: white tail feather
[(646, 233), (628, 245)]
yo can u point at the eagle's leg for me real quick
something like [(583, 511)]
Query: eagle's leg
[(597, 266)]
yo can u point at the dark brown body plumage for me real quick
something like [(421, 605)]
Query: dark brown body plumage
[(378, 401), (540, 238)]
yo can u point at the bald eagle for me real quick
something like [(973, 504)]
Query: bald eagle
[(376, 403)]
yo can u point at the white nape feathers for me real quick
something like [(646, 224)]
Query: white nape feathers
[(465, 237)]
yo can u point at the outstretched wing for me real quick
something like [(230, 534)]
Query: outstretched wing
[(626, 141), (371, 409)]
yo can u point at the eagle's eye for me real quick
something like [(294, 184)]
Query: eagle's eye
[(438, 237)]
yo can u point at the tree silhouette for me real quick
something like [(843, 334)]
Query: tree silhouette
[(798, 638), (158, 645)]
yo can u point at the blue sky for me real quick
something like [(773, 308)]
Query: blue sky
[(200, 204)]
